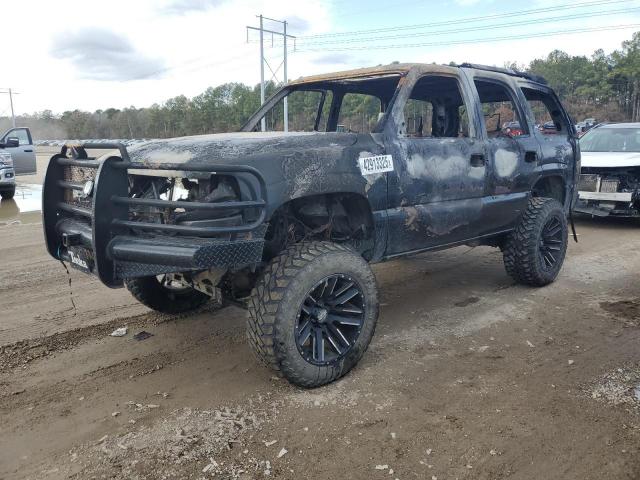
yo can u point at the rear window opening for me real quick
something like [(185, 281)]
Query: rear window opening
[(501, 115)]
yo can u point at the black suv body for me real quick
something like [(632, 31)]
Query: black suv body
[(292, 219)]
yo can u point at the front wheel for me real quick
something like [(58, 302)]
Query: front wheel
[(313, 313), (165, 295), (8, 194), (535, 250)]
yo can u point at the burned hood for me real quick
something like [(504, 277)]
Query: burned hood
[(234, 148), (610, 159)]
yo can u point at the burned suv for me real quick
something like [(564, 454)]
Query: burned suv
[(288, 213)]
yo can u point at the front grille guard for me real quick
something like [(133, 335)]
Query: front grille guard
[(108, 216)]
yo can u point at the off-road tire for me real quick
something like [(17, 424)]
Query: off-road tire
[(8, 194), (277, 298), (522, 256), (149, 292)]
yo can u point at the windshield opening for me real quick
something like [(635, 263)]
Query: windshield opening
[(611, 140), (355, 105)]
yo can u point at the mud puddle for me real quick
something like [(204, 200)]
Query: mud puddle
[(24, 207)]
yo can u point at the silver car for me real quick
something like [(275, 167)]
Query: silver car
[(19, 143)]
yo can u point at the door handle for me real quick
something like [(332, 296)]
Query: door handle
[(478, 160), (28, 151), (531, 156)]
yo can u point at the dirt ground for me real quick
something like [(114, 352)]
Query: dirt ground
[(468, 376)]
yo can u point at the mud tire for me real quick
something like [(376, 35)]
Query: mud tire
[(149, 292), (522, 255), (277, 298)]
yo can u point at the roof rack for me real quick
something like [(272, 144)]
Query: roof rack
[(506, 71)]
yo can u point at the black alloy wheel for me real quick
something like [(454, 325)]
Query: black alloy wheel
[(551, 243), (330, 320)]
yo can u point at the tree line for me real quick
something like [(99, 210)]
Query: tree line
[(603, 86)]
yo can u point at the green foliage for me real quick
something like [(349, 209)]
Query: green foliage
[(606, 87)]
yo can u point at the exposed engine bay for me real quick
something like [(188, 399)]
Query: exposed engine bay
[(609, 191), (216, 188)]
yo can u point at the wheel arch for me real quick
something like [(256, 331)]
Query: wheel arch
[(551, 186), (341, 216)]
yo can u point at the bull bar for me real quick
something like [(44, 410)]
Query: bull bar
[(95, 232)]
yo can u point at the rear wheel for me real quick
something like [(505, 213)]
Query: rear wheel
[(165, 295), (313, 313), (8, 194), (535, 250)]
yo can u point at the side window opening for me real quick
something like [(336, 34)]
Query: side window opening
[(331, 105), (547, 115), (19, 133), (435, 109), (359, 113), (501, 116), (307, 110)]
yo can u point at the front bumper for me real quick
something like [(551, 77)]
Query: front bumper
[(97, 234), (603, 204), (606, 196)]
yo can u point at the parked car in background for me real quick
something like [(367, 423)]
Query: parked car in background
[(512, 129), (590, 122), (7, 176), (549, 128), (19, 143), (610, 174), (585, 125)]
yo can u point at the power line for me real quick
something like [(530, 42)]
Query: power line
[(477, 40), (478, 28), (587, 4)]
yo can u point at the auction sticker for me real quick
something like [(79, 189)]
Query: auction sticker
[(376, 164)]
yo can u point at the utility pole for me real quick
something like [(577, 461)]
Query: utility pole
[(13, 115), (264, 61), (262, 122), (284, 71)]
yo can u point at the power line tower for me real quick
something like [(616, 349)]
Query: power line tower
[(264, 61), (11, 94)]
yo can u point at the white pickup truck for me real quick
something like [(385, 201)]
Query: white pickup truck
[(19, 143)]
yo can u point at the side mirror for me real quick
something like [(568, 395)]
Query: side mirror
[(12, 142)]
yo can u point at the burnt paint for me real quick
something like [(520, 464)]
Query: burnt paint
[(434, 196)]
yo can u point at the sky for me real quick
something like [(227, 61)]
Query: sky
[(89, 55)]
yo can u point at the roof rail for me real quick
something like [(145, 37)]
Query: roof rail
[(506, 71)]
